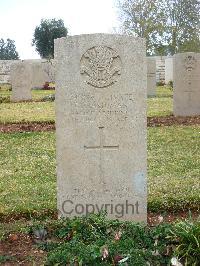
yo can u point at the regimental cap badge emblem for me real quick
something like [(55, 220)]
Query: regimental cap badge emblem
[(190, 63), (101, 66)]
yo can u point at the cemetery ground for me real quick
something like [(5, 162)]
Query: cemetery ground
[(29, 230)]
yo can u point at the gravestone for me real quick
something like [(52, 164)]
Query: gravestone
[(21, 76), (39, 77), (42, 71), (160, 68), (48, 67), (101, 125), (151, 76), (168, 70), (186, 101)]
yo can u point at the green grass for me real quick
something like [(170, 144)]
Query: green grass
[(45, 111), (173, 167), (36, 94), (164, 91), (27, 112), (28, 179), (161, 105), (39, 94)]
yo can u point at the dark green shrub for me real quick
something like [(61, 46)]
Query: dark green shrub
[(49, 98), (170, 84), (97, 241), (4, 99), (160, 83)]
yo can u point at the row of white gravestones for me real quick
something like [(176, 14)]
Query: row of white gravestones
[(28, 74), (101, 126), (186, 72)]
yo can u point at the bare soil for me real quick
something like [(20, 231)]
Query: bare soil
[(21, 250), (50, 126)]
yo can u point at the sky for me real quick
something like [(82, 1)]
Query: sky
[(18, 19)]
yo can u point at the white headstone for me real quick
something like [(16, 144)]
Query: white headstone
[(21, 76), (42, 71), (168, 70), (160, 69), (101, 125), (151, 76), (186, 84)]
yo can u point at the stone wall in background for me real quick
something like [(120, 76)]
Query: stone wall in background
[(43, 71), (5, 66)]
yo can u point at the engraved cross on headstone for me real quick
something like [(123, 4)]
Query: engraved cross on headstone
[(102, 147), (189, 92), (190, 96)]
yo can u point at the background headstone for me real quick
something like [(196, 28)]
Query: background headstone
[(101, 125), (168, 70), (151, 76), (49, 69), (160, 68), (21, 75), (39, 77), (42, 71), (186, 101)]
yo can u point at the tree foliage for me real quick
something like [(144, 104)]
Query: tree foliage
[(143, 18), (44, 35), (8, 50), (183, 27), (169, 26)]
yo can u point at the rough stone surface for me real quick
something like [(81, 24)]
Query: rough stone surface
[(101, 125), (5, 66), (49, 69), (168, 70), (186, 100), (21, 81), (39, 77), (151, 76), (42, 71)]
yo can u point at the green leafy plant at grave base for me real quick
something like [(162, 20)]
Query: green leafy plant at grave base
[(97, 241), (4, 259), (48, 98), (171, 84), (187, 234), (160, 83), (4, 99)]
